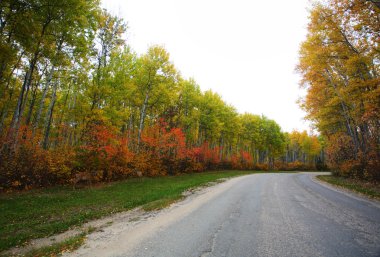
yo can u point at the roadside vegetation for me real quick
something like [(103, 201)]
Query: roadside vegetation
[(77, 103), (367, 188), (44, 212), (58, 248), (79, 106), (340, 69)]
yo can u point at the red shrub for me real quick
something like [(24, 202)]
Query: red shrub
[(27, 164)]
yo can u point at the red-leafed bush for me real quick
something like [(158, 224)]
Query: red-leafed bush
[(347, 161), (104, 154), (261, 166), (210, 157), (293, 166), (242, 161), (166, 152), (99, 150), (28, 165), (121, 163)]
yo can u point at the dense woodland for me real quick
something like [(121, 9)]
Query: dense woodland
[(77, 102), (340, 65)]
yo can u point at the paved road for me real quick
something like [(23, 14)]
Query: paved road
[(269, 215)]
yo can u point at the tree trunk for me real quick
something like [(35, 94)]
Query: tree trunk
[(221, 149), (16, 119), (31, 106), (346, 114), (42, 101), (4, 113), (49, 116), (142, 116), (18, 110)]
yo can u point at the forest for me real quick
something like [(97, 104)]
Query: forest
[(340, 65), (77, 102)]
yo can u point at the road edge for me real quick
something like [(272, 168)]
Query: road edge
[(132, 216), (353, 194)]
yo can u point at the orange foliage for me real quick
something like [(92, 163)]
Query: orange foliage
[(207, 155), (29, 165), (105, 155), (293, 166), (344, 162), (163, 151), (243, 160)]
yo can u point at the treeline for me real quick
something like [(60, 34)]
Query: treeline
[(76, 101), (339, 62)]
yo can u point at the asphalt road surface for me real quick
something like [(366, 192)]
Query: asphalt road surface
[(259, 215)]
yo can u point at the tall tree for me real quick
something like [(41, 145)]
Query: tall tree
[(339, 62), (156, 80)]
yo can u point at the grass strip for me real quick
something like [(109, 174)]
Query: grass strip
[(160, 204), (41, 213), (363, 187), (58, 249)]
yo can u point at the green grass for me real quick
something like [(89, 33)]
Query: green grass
[(41, 213), (366, 188), (59, 248), (161, 203)]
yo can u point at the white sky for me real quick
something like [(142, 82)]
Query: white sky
[(244, 50)]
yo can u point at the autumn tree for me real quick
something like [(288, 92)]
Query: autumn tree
[(156, 80), (74, 97), (339, 62)]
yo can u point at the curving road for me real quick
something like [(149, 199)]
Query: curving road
[(256, 215)]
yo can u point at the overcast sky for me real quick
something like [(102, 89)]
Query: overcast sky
[(244, 50)]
